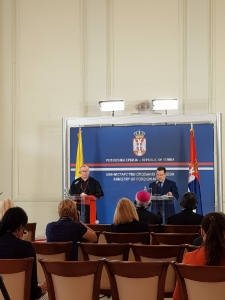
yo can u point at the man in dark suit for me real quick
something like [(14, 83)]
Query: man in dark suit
[(163, 186), (142, 202), (188, 203)]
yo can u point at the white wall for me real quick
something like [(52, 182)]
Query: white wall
[(59, 58)]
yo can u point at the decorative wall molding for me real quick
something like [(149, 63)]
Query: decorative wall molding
[(184, 55), (109, 49), (16, 100), (84, 64), (210, 59)]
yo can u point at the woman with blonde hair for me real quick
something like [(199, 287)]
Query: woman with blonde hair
[(4, 206), (69, 227), (126, 218)]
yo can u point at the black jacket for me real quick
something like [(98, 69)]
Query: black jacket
[(185, 217)]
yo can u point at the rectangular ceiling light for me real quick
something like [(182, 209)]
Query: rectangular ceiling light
[(164, 104), (111, 105)]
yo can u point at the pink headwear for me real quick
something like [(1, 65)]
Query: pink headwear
[(143, 197)]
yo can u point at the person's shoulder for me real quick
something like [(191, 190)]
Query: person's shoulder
[(200, 216), (195, 257), (92, 179), (51, 224), (173, 218), (144, 225), (170, 181), (24, 244)]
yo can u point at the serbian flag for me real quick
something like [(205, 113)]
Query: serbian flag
[(194, 180), (80, 156)]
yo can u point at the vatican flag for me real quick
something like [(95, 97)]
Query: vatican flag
[(80, 156)]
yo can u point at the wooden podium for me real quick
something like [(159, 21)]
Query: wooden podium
[(86, 204), (158, 203)]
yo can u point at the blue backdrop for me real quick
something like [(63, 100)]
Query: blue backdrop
[(110, 154)]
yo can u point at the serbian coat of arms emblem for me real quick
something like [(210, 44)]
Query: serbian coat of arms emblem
[(139, 143)]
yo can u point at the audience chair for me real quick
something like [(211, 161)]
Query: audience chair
[(3, 289), (51, 251), (200, 282), (172, 238), (181, 228), (189, 248), (17, 277), (100, 227), (109, 251), (72, 279), (31, 229), (137, 280), (136, 237), (154, 227), (158, 253)]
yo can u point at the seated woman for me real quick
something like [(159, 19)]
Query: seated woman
[(212, 252), (12, 246), (69, 227), (126, 218)]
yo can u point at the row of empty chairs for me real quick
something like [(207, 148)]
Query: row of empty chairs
[(128, 280), (94, 252), (114, 251)]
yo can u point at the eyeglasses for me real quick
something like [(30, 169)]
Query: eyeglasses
[(24, 230)]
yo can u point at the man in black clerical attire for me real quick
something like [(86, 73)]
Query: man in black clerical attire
[(85, 186)]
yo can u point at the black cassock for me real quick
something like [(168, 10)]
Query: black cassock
[(90, 187)]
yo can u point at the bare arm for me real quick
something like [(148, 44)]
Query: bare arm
[(90, 234)]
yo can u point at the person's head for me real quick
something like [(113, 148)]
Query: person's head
[(4, 206), (125, 212), (84, 172), (161, 174), (67, 208), (213, 232), (14, 221), (142, 199), (189, 201)]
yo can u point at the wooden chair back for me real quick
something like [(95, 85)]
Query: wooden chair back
[(168, 253), (200, 282), (154, 227), (100, 227), (172, 238), (181, 228), (17, 277), (51, 251), (65, 279), (136, 237), (3, 289), (189, 248), (31, 229), (137, 280), (109, 251)]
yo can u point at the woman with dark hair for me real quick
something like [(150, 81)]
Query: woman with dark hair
[(12, 246), (212, 251)]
